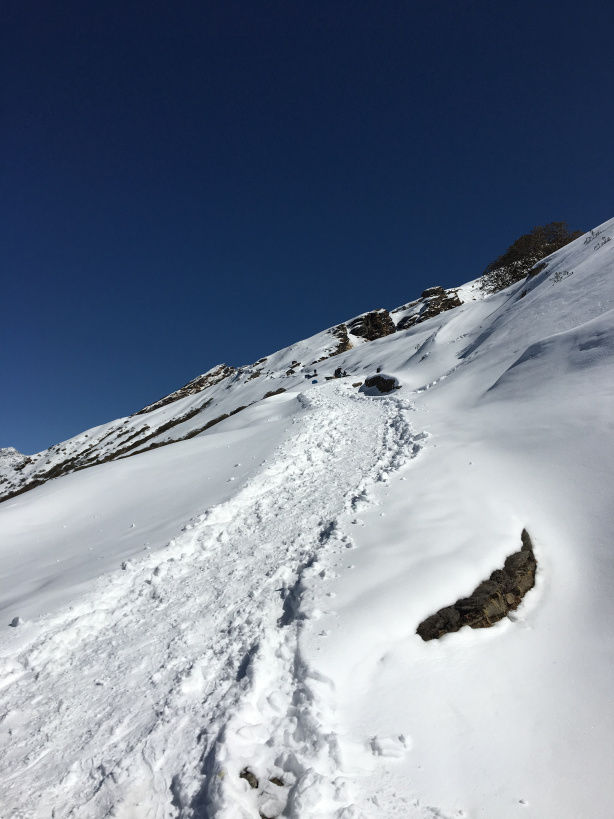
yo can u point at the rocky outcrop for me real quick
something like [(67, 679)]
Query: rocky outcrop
[(372, 325), (127, 444), (271, 393), (435, 300), (11, 458), (492, 600), (404, 307), (523, 257), (341, 334), (197, 384)]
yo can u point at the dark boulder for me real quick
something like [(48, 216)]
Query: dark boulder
[(380, 383)]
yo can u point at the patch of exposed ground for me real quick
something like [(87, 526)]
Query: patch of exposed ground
[(372, 325), (132, 445), (436, 300), (492, 600), (197, 384), (341, 333)]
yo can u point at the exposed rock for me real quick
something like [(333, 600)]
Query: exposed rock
[(403, 307), (249, 777), (436, 300), (536, 269), (85, 458), (341, 333), (381, 383), (197, 384), (432, 291), (492, 600), (372, 325), (275, 780), (408, 321), (357, 384), (523, 257), (274, 392)]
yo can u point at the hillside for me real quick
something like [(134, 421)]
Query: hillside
[(215, 601)]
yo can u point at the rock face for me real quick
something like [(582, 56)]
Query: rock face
[(341, 334), (435, 300), (372, 325), (491, 600)]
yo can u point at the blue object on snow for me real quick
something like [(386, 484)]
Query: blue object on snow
[(315, 381)]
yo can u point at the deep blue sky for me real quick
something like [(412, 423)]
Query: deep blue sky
[(186, 183)]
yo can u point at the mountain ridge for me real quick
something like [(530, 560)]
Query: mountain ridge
[(23, 472), (125, 437)]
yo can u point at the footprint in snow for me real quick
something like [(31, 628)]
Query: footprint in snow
[(391, 747)]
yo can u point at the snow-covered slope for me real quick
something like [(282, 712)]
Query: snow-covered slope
[(220, 594)]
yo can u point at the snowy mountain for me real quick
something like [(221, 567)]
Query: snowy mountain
[(368, 575)]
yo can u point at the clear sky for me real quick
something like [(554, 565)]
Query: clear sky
[(187, 183)]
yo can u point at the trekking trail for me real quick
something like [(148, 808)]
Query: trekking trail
[(176, 686)]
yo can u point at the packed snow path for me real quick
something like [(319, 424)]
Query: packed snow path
[(151, 695)]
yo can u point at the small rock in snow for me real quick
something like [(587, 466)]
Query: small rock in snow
[(16, 621), (249, 777)]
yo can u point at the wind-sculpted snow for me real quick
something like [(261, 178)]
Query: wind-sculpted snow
[(150, 695), (590, 346)]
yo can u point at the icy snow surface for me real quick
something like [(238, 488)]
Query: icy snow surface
[(247, 600)]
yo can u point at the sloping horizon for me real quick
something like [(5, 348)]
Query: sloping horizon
[(210, 182)]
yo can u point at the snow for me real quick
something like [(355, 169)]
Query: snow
[(247, 599), (88, 522)]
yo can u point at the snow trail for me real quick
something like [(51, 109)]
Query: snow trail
[(151, 695)]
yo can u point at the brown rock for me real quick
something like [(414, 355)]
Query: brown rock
[(435, 301), (491, 600), (372, 325), (249, 777)]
